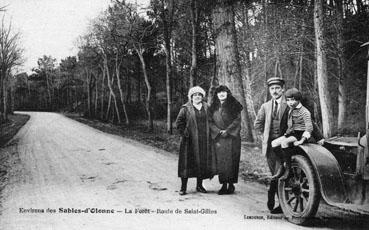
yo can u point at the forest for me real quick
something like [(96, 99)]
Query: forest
[(137, 64)]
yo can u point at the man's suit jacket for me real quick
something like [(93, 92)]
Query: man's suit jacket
[(263, 121)]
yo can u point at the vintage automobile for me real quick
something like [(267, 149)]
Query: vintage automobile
[(337, 172)]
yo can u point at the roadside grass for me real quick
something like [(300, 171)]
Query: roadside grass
[(9, 156), (253, 166), (11, 127)]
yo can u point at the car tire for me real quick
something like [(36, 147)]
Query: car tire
[(299, 194)]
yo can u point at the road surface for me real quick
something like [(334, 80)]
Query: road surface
[(67, 175)]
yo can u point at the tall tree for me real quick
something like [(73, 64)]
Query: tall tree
[(139, 35), (322, 72), (228, 62), (10, 57), (118, 20), (341, 64), (163, 10), (68, 69), (194, 25), (101, 38), (46, 64)]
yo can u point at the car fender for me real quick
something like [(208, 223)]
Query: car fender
[(329, 173)]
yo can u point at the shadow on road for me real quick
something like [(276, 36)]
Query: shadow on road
[(348, 221)]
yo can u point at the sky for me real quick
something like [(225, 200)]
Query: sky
[(51, 27)]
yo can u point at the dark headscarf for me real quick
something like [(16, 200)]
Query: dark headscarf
[(231, 105)]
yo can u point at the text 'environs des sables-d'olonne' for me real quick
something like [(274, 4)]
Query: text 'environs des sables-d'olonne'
[(125, 211)]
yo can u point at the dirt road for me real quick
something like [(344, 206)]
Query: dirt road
[(67, 175)]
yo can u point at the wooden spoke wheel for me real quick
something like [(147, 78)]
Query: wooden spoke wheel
[(299, 194)]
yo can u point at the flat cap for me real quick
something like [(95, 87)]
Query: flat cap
[(275, 80)]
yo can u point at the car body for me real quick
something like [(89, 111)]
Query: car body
[(337, 172)]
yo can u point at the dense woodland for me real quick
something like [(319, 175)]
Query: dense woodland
[(136, 64)]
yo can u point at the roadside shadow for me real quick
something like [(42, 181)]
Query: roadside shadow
[(347, 221)]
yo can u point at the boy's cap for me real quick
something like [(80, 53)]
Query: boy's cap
[(293, 93), (275, 81)]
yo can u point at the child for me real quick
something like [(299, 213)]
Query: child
[(299, 130)]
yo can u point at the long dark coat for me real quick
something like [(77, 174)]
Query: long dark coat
[(227, 149), (189, 164)]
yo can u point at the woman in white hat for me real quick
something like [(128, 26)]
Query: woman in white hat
[(195, 157)]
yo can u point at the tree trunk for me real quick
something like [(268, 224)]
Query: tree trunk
[(88, 88), (168, 65), (96, 96), (128, 89), (93, 85), (214, 80), (341, 66), (111, 88), (102, 92), (194, 24), (265, 57), (12, 95), (322, 72), (167, 19), (148, 87), (117, 74), (108, 108), (265, 71), (67, 101), (1, 97), (169, 89), (228, 64), (301, 58), (248, 68), (5, 108), (138, 84), (48, 89), (75, 97)]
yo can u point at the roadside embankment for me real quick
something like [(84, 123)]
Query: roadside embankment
[(11, 127), (7, 132)]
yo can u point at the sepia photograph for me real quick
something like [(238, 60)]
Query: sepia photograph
[(184, 114)]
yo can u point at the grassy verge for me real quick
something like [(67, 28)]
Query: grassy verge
[(8, 156), (11, 127), (253, 166)]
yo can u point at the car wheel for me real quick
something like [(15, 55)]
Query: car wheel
[(299, 194)]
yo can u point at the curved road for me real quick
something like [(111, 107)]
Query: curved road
[(64, 172)]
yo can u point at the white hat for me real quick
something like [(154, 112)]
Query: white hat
[(196, 89)]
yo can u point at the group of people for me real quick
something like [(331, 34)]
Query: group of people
[(211, 142)]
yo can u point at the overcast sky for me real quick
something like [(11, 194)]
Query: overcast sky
[(51, 27)]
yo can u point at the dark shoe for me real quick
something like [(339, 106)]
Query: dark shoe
[(201, 189), (223, 190), (231, 189), (271, 202), (277, 210), (183, 186), (199, 186)]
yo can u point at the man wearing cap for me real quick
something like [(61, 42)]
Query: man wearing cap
[(271, 124)]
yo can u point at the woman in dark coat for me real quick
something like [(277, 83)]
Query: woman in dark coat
[(225, 126), (195, 157)]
